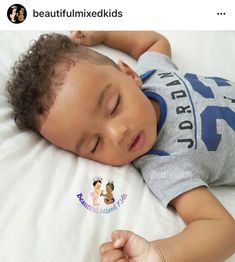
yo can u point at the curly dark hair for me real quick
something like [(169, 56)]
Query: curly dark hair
[(39, 73)]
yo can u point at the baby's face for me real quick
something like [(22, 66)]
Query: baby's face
[(98, 185), (99, 112)]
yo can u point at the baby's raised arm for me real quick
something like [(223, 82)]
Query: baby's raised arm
[(210, 232), (133, 43), (208, 237)]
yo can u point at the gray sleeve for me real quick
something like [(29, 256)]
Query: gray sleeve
[(169, 177), (154, 60)]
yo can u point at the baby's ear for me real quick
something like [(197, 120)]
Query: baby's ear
[(126, 69)]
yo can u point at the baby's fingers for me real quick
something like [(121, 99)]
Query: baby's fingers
[(79, 37), (106, 247), (110, 254), (113, 256), (88, 38)]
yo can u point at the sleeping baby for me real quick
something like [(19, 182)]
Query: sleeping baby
[(177, 129)]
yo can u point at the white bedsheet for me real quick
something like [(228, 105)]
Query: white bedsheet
[(41, 217)]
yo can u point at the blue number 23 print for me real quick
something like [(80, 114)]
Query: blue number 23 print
[(209, 131)]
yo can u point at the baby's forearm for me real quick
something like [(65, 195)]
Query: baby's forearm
[(134, 43), (201, 241)]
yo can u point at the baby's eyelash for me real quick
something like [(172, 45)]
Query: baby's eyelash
[(117, 104), (97, 143), (115, 108)]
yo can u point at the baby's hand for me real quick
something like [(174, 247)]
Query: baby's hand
[(88, 38), (127, 246)]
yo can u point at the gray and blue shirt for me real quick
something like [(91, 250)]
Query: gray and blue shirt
[(196, 130)]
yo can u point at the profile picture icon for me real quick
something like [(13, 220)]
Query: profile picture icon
[(16, 13)]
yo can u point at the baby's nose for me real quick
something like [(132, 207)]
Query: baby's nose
[(117, 133)]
